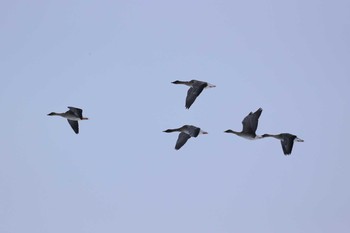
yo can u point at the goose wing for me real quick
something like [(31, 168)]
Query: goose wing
[(254, 119), (247, 124), (250, 122), (193, 93), (181, 140), (77, 111), (74, 125), (287, 145)]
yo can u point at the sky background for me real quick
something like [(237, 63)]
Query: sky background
[(116, 60)]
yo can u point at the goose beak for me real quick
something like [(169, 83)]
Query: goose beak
[(211, 85), (204, 132), (299, 140)]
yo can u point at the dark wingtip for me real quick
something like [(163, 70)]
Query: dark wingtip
[(258, 112), (188, 106)]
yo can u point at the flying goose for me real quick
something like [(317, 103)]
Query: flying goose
[(196, 87), (73, 115), (287, 141), (250, 124), (186, 132)]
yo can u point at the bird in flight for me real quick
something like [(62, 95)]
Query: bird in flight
[(287, 141), (196, 88), (186, 132), (250, 124), (73, 115)]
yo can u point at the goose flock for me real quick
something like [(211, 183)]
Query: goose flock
[(250, 122)]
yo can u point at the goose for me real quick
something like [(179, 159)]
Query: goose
[(186, 132), (196, 88), (250, 124), (287, 141), (73, 115)]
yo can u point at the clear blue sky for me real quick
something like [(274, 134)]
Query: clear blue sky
[(116, 60)]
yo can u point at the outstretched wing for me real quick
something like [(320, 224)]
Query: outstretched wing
[(193, 93), (181, 140), (247, 126), (74, 125), (250, 122), (254, 119), (77, 111), (287, 145)]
